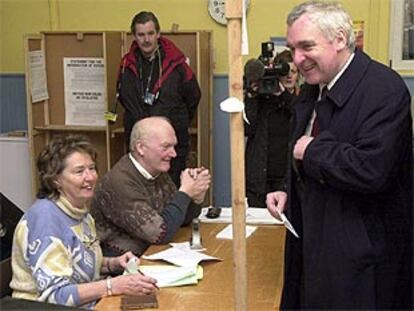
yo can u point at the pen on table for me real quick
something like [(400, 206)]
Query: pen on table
[(142, 273)]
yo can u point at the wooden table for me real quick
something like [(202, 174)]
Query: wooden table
[(215, 291)]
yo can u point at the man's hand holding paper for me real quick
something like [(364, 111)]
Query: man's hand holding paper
[(276, 204)]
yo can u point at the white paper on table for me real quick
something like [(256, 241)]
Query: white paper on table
[(185, 246), (227, 232), (167, 276), (254, 216), (179, 257)]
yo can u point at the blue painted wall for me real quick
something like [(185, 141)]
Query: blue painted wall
[(221, 145), (12, 103)]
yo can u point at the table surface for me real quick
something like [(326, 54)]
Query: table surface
[(265, 248)]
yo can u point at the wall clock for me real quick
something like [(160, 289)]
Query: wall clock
[(217, 10)]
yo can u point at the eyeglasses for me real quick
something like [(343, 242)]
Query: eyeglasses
[(89, 241)]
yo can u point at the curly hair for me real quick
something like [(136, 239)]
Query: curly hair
[(51, 161)]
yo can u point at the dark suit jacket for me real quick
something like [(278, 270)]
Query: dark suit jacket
[(354, 211)]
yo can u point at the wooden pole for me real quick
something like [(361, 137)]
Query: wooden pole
[(234, 26)]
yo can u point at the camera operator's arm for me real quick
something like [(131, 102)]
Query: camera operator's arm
[(281, 90)]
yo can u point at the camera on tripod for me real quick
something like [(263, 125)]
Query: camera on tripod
[(261, 76)]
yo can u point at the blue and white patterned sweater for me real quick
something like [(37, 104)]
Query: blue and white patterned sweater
[(54, 249)]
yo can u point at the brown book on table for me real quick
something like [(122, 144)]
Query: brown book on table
[(139, 302)]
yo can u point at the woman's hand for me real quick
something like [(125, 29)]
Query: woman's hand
[(117, 264), (133, 284), (122, 260)]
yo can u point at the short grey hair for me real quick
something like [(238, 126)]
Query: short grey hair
[(330, 17), (141, 129)]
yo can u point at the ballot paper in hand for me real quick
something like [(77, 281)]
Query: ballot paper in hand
[(132, 266), (227, 232), (287, 223), (179, 257)]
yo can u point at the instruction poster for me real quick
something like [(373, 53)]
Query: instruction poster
[(38, 84), (84, 91)]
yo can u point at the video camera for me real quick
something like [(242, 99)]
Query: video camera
[(264, 72)]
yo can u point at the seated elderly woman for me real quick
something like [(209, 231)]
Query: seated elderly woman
[(56, 255)]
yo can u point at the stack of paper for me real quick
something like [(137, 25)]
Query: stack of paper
[(168, 276), (185, 272), (180, 257)]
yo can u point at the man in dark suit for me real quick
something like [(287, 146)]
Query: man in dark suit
[(350, 190)]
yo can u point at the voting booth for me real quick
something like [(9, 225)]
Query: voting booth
[(71, 82)]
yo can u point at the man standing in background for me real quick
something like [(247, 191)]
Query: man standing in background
[(350, 189), (155, 80)]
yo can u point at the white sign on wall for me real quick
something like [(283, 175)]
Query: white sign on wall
[(84, 91)]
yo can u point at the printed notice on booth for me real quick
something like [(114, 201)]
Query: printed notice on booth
[(84, 91), (38, 84)]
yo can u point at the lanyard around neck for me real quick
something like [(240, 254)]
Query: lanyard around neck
[(141, 78), (141, 74)]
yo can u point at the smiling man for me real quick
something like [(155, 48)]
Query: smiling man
[(155, 80), (136, 204), (350, 188)]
